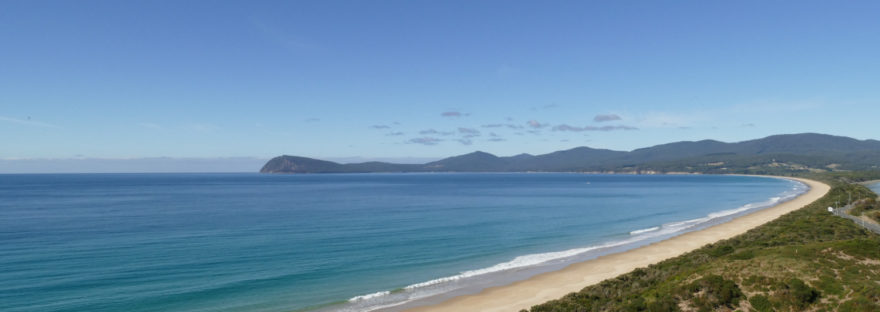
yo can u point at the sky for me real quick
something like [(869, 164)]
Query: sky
[(419, 80)]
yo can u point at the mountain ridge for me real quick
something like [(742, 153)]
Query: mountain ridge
[(772, 154)]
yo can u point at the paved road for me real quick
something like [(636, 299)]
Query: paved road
[(844, 213)]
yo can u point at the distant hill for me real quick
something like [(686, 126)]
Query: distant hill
[(771, 155)]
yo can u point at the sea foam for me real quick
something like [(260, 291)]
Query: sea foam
[(650, 229), (369, 296), (421, 290)]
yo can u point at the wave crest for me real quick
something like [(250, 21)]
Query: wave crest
[(543, 258)]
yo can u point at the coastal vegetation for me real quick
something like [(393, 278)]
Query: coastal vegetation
[(808, 259), (868, 207)]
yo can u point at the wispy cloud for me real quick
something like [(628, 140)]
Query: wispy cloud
[(535, 124), (469, 131), (432, 131), (674, 120), (606, 117), (312, 119), (769, 106), (452, 114), (511, 126), (28, 122), (425, 141), (398, 133), (564, 127), (465, 141), (748, 125), (203, 127), (497, 139), (380, 127), (618, 127)]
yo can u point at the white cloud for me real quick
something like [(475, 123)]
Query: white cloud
[(564, 127), (28, 122), (468, 131), (606, 117), (535, 124), (425, 141)]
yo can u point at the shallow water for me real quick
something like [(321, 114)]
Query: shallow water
[(232, 242)]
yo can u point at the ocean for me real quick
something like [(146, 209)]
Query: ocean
[(333, 242)]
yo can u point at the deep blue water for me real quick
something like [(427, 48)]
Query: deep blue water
[(250, 242)]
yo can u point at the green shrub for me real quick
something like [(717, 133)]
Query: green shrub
[(720, 250), (875, 215), (859, 304), (743, 255), (798, 294), (664, 304), (715, 292), (801, 243), (761, 303), (830, 285)]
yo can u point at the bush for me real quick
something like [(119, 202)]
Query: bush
[(863, 206), (664, 304), (875, 215), (716, 292), (772, 247), (721, 250), (761, 303), (798, 294), (743, 255)]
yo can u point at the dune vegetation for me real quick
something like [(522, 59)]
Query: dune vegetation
[(806, 260)]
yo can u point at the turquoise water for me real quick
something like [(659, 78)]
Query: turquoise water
[(249, 242)]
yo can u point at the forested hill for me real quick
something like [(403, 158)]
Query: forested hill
[(770, 155)]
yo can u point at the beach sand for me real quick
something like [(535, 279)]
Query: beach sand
[(553, 285)]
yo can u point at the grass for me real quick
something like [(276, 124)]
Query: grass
[(869, 207), (804, 260)]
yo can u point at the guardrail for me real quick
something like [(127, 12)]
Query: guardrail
[(843, 212)]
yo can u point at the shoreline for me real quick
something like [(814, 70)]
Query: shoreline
[(869, 182), (556, 284)]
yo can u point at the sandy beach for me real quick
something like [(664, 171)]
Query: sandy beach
[(553, 285)]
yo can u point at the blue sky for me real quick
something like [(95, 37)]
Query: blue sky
[(426, 79)]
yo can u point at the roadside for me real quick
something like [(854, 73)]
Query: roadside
[(864, 222)]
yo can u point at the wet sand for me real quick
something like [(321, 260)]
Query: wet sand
[(552, 285)]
